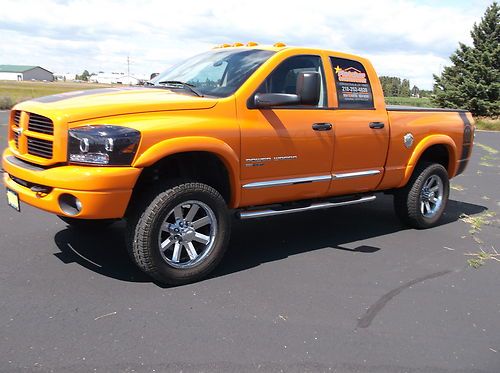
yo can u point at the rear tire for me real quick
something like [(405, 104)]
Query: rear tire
[(87, 224), (180, 234), (421, 203)]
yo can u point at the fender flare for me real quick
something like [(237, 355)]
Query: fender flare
[(212, 145), (425, 144)]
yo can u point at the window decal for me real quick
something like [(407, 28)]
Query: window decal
[(352, 84)]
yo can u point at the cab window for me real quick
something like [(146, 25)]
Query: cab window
[(284, 78)]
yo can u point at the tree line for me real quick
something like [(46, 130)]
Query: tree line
[(472, 81), (397, 87)]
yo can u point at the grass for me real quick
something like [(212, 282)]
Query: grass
[(489, 124), (479, 258), (12, 92), (409, 101), (476, 222)]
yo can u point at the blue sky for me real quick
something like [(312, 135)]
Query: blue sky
[(410, 39)]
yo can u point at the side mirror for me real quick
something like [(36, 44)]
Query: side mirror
[(308, 87), (307, 93), (265, 100)]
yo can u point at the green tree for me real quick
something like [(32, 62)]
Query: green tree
[(391, 86), (473, 81), (405, 88), (415, 91), (85, 76)]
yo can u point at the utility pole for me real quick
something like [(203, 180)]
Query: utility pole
[(128, 65)]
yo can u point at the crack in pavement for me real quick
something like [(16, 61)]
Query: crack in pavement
[(374, 309)]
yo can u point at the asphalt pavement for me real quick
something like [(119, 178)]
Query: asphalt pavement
[(342, 290), (4, 117)]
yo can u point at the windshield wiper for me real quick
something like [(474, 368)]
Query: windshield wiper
[(189, 87)]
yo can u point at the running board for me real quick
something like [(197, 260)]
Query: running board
[(315, 206)]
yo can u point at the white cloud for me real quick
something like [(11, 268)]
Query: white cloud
[(404, 38)]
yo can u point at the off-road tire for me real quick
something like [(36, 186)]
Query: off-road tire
[(407, 201), (144, 222), (87, 224)]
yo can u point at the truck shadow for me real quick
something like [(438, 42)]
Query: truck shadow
[(255, 242)]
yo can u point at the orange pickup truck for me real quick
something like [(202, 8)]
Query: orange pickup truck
[(243, 130)]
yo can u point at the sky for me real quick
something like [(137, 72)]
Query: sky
[(406, 38)]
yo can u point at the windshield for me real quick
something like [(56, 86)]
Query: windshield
[(215, 73)]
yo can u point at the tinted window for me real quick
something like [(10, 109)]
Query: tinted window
[(284, 78), (352, 84), (216, 73)]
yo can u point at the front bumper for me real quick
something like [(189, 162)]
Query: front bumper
[(104, 192)]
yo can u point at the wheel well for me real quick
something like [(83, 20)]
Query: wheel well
[(436, 154), (203, 167)]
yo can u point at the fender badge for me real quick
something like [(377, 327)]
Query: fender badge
[(408, 140)]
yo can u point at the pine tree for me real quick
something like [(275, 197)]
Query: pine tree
[(473, 81), (405, 88)]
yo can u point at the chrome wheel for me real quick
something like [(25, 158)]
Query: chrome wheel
[(187, 234), (431, 196)]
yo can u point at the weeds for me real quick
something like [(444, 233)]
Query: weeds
[(476, 222), (457, 187), (480, 258)]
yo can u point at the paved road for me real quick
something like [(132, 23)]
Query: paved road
[(345, 290), (4, 117)]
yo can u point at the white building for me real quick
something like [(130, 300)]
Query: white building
[(127, 80), (65, 77)]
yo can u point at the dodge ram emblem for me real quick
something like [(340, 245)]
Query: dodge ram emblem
[(408, 140)]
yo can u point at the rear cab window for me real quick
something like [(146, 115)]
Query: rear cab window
[(352, 84)]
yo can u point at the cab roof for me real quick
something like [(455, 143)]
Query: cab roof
[(279, 47)]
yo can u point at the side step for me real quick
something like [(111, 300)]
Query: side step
[(252, 214)]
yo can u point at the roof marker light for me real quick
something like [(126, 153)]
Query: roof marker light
[(252, 44), (279, 45), (238, 44)]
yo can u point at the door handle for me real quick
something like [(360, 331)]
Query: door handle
[(322, 126), (376, 125)]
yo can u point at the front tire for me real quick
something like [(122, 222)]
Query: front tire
[(421, 203), (179, 235)]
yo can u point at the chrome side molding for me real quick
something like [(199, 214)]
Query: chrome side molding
[(315, 206), (310, 179), (283, 182), (348, 175)]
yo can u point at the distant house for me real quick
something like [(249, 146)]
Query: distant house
[(23, 72), (114, 78), (65, 76), (105, 78), (127, 79)]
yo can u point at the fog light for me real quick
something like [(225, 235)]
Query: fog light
[(69, 204)]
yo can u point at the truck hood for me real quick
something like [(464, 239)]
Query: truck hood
[(98, 103)]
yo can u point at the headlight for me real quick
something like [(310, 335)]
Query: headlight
[(103, 145)]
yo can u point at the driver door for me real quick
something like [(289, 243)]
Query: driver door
[(286, 152)]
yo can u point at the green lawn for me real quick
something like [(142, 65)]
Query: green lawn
[(489, 124), (409, 101), (12, 92)]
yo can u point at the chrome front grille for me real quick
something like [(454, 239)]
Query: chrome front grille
[(38, 123), (15, 129), (39, 147)]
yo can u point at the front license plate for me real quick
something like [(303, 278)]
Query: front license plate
[(13, 200)]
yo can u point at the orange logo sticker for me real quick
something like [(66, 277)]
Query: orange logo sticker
[(350, 75)]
